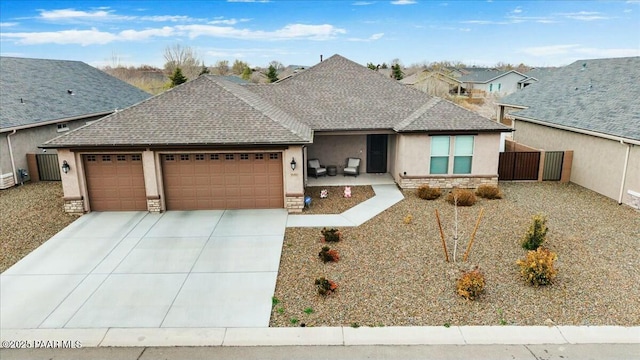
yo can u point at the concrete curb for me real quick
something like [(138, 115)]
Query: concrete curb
[(332, 336)]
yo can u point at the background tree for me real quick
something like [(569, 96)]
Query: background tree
[(246, 73), (239, 67), (371, 66), (221, 67), (185, 58), (396, 72), (177, 78), (204, 70), (277, 65), (272, 74)]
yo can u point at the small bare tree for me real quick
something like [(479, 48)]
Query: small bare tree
[(183, 57)]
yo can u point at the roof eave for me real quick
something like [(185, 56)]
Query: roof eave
[(578, 130), (57, 121), (171, 145)]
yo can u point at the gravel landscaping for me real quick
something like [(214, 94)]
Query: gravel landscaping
[(392, 273), (336, 203), (29, 216)]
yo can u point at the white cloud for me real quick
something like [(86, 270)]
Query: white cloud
[(403, 2), (517, 10), (585, 16), (362, 3), (165, 18), (226, 21), (289, 32), (8, 24), (73, 14), (572, 49), (373, 37), (86, 37), (549, 50)]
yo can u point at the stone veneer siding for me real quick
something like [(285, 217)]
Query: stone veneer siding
[(447, 182), (153, 204), (74, 205), (294, 203)]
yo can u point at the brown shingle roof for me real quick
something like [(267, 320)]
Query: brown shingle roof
[(205, 111), (336, 94)]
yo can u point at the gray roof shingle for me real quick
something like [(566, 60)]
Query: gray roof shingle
[(599, 95), (36, 90), (336, 94), (206, 111), (339, 94)]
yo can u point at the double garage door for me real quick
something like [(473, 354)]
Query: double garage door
[(223, 181), (191, 181)]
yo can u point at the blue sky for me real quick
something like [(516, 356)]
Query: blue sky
[(538, 33)]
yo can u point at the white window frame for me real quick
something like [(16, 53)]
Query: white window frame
[(451, 156), (62, 127)]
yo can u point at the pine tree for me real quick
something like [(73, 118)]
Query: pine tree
[(272, 74), (177, 78), (397, 72)]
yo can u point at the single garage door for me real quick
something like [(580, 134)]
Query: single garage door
[(223, 181), (115, 182)]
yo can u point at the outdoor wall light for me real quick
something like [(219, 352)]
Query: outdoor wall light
[(293, 163), (65, 167)]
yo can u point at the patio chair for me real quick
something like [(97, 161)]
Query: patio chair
[(314, 168), (353, 167)]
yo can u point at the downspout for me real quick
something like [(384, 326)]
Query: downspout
[(13, 163), (624, 172)]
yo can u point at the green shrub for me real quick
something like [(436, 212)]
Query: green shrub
[(464, 197), (328, 255), (537, 233), (325, 286), (427, 193), (537, 267), (332, 235), (489, 192), (471, 284)]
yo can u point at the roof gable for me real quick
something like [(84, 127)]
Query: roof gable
[(33, 91), (599, 95)]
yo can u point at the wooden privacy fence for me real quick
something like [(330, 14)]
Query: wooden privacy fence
[(535, 165), (520, 165)]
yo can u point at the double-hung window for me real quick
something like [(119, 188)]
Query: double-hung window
[(439, 155), (463, 154)]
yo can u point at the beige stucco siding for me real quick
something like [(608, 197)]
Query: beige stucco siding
[(414, 151), (26, 141), (597, 162), (334, 149)]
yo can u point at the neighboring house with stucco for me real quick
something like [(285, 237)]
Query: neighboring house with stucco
[(592, 108), (41, 99), (214, 144), (492, 81)]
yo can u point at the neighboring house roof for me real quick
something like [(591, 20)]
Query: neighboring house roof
[(336, 94), (599, 95), (483, 76), (35, 91), (428, 74), (339, 94), (205, 111)]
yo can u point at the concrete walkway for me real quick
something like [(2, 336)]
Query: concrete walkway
[(386, 196)]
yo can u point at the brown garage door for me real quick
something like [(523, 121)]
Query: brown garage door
[(115, 182), (223, 181)]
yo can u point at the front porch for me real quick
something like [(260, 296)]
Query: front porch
[(340, 180)]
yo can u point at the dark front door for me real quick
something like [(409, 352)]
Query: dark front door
[(376, 153)]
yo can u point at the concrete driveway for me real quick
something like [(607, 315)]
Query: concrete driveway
[(198, 269)]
